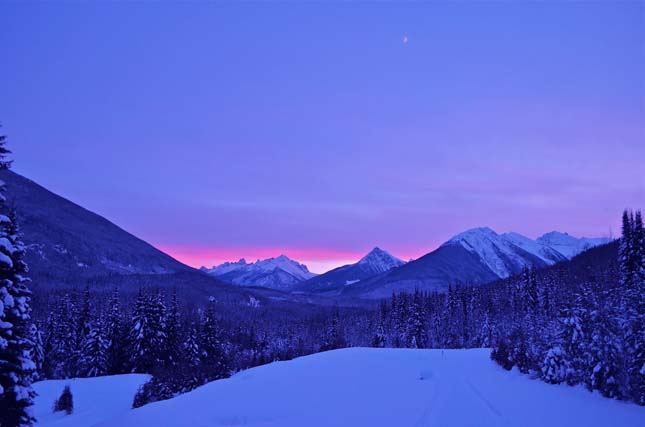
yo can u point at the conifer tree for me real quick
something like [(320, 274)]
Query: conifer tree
[(572, 342), (84, 316), (114, 335), (333, 337), (16, 367), (147, 335), (95, 359), (173, 326), (210, 343), (379, 338), (49, 345), (555, 366), (139, 336), (633, 308), (190, 348), (64, 353), (37, 354), (417, 326), (157, 329)]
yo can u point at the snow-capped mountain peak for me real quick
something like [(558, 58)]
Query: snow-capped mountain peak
[(284, 263), (379, 260), (493, 250), (507, 253), (279, 272)]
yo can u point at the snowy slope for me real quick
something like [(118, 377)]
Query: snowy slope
[(499, 254), (544, 252), (95, 399), (384, 388), (569, 246), (505, 254), (276, 273), (377, 261)]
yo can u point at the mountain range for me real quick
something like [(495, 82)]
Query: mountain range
[(68, 245), (476, 256), (275, 273)]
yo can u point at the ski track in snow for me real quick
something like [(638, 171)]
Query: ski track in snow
[(359, 387)]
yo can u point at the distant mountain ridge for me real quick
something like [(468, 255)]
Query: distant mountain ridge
[(275, 273), (476, 256)]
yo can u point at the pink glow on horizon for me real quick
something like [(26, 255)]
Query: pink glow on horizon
[(317, 260)]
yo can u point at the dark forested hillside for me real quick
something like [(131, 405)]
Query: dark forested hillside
[(65, 241)]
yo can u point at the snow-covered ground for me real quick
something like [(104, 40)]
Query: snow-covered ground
[(95, 399), (379, 387)]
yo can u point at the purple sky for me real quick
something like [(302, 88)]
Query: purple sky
[(220, 131)]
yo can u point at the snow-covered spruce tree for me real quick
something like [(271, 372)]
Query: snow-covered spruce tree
[(84, 317), (49, 360), (333, 337), (64, 353), (16, 367), (632, 311), (628, 251), (95, 361), (157, 329), (453, 316), (139, 336), (115, 336), (173, 332), (485, 337), (416, 323), (147, 336), (37, 354), (213, 358), (637, 368), (190, 348), (607, 358), (555, 366), (380, 336), (572, 342)]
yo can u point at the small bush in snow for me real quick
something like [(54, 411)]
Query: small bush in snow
[(554, 367), (65, 402)]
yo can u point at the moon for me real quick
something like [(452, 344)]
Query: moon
[(405, 39)]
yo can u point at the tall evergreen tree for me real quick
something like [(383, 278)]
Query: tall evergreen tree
[(333, 337), (173, 328), (95, 359), (115, 336), (16, 367), (37, 351), (417, 324), (213, 356), (190, 348), (139, 336)]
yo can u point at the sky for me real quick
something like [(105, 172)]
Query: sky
[(217, 131)]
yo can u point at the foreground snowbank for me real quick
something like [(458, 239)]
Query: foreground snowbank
[(95, 399), (384, 387)]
